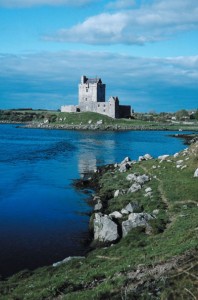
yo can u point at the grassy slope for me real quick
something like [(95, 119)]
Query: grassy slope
[(61, 119), (107, 273)]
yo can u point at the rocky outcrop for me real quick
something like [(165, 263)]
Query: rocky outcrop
[(105, 229), (135, 220)]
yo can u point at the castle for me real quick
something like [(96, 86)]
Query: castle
[(92, 98)]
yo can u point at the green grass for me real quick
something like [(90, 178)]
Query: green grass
[(59, 119)]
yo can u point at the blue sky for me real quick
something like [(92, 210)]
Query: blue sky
[(145, 51)]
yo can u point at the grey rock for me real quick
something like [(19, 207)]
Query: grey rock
[(116, 215), (156, 211), (98, 206), (149, 194), (124, 211), (196, 173), (105, 230), (147, 157), (119, 192), (124, 167), (141, 179), (141, 158), (131, 177), (179, 162), (66, 260), (134, 188), (116, 194), (125, 160), (148, 189), (163, 157), (96, 198), (131, 207), (135, 220)]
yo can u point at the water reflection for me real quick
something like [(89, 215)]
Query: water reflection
[(95, 151)]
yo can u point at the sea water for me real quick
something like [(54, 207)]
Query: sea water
[(43, 218)]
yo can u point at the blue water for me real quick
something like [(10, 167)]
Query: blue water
[(43, 219)]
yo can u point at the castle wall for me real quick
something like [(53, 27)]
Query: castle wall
[(69, 108)]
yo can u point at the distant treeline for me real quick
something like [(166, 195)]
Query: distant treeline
[(26, 115)]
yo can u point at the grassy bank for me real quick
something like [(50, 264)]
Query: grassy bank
[(158, 265), (89, 121)]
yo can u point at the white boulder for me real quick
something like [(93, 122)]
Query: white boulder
[(163, 157), (116, 215), (196, 173), (105, 230)]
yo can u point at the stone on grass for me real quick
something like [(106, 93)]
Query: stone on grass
[(124, 167), (131, 207), (179, 162), (124, 211), (196, 173), (66, 260), (125, 160), (163, 157), (131, 177), (116, 215), (156, 211), (134, 188), (135, 220), (105, 230), (141, 158), (141, 179), (148, 189), (147, 157), (116, 194)]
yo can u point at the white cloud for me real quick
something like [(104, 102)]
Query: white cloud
[(30, 3), (151, 22), (121, 4)]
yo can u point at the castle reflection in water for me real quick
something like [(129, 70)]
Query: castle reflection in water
[(89, 158)]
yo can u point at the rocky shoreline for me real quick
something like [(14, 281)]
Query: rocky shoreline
[(98, 126), (107, 228), (101, 127)]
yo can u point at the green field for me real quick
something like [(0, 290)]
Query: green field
[(89, 120)]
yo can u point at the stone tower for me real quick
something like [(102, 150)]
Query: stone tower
[(91, 90)]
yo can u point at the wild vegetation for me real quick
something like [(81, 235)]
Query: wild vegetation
[(158, 265)]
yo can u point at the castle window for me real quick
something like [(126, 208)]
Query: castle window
[(98, 105), (87, 89)]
